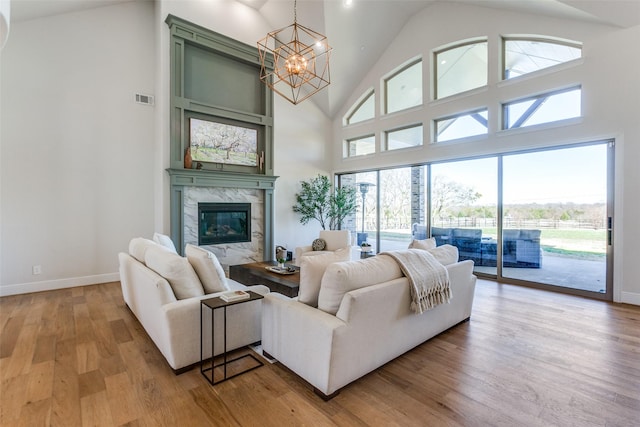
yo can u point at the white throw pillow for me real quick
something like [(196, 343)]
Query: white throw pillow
[(445, 254), (312, 268), (164, 240), (138, 247), (176, 269), (342, 277), (423, 244), (207, 268)]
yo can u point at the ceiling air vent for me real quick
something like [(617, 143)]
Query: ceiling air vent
[(144, 99)]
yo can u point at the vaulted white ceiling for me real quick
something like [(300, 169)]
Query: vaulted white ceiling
[(360, 33)]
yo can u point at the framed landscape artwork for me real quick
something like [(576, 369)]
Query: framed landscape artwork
[(225, 143)]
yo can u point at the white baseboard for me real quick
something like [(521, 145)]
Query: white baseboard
[(49, 285), (630, 298)]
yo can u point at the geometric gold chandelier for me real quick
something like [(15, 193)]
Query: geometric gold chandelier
[(300, 58)]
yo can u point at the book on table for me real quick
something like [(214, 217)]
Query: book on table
[(231, 296)]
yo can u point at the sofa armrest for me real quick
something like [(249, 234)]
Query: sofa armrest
[(142, 286), (300, 250), (300, 337), (461, 272)]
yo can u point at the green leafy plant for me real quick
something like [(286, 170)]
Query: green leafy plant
[(317, 201)]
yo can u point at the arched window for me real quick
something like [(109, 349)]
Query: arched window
[(460, 68), (404, 89), (363, 110), (526, 55)]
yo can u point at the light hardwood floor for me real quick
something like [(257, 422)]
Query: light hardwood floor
[(527, 358)]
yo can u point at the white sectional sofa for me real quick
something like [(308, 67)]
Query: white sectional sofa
[(173, 323), (363, 322)]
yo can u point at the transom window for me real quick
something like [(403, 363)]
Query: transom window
[(404, 89), (360, 146), (523, 56), (461, 126), (403, 138), (460, 68), (546, 108), (365, 110)]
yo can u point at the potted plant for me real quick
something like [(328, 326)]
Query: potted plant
[(317, 201)]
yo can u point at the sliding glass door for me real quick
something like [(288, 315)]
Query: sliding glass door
[(555, 217), (464, 197), (542, 218)]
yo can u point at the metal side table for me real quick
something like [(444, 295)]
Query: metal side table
[(213, 304)]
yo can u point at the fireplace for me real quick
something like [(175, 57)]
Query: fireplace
[(224, 223)]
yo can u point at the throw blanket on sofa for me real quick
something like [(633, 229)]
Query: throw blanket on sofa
[(428, 278)]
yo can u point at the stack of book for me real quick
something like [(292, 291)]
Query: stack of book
[(231, 296)]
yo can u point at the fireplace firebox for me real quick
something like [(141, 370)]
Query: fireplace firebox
[(224, 223)]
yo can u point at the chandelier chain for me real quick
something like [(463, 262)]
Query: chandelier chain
[(295, 11)]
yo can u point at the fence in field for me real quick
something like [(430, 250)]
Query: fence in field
[(521, 223)]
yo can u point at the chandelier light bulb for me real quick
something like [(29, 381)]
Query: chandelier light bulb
[(296, 64)]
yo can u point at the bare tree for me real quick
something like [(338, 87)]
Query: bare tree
[(447, 193)]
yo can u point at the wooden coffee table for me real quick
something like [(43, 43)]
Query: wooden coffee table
[(255, 273)]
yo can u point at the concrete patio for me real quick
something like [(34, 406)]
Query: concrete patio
[(557, 270)]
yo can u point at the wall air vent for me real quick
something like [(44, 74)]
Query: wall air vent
[(144, 99)]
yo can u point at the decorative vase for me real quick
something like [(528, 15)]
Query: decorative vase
[(188, 161)]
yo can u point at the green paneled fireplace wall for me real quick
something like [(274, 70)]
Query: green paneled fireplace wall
[(213, 76)]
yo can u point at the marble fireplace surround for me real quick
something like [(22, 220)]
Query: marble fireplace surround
[(189, 187)]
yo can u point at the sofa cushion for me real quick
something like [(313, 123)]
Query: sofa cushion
[(425, 244), (342, 277), (312, 269), (208, 269), (176, 269), (138, 247), (164, 240), (445, 254)]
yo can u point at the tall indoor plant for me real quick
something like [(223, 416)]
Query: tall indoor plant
[(329, 207)]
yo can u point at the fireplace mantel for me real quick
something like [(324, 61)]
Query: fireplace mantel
[(181, 178)]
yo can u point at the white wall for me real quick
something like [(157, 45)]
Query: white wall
[(303, 150), (610, 87), (76, 180)]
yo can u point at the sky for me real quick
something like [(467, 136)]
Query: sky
[(577, 175)]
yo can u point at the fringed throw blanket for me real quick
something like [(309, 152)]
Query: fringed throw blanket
[(428, 279)]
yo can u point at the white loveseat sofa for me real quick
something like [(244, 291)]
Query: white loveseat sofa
[(363, 322), (173, 324)]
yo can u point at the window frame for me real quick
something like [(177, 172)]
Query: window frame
[(401, 69), (358, 104), (541, 39), (456, 45), (536, 97), (456, 116), (385, 139), (346, 153)]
